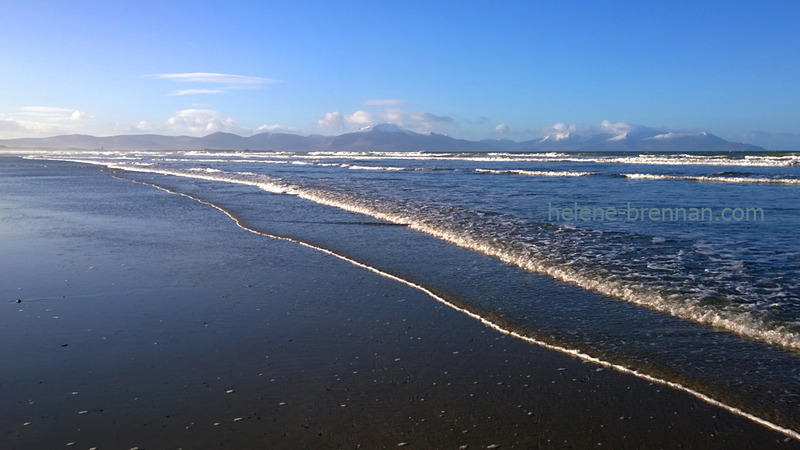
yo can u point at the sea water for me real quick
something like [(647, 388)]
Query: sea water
[(679, 266)]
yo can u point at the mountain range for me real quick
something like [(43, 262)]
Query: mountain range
[(390, 137)]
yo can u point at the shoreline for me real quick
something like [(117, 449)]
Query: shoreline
[(314, 351), (498, 327)]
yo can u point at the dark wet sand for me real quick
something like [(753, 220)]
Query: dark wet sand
[(149, 320)]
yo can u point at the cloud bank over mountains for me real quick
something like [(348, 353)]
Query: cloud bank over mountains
[(420, 122), (45, 121), (42, 121), (609, 136)]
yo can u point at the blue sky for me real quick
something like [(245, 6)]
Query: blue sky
[(467, 69)]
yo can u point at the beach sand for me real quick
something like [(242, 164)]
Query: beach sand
[(132, 317)]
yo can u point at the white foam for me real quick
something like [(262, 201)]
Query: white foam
[(377, 168), (537, 173), (649, 176), (676, 159), (788, 160), (707, 179), (702, 160)]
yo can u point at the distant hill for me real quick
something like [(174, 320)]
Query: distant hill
[(389, 137), (637, 139)]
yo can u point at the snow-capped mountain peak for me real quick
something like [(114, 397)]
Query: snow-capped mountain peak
[(619, 137), (384, 128), (674, 135)]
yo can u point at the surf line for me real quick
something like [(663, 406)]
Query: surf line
[(573, 352), (649, 299)]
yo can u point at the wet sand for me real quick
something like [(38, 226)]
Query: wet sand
[(149, 320)]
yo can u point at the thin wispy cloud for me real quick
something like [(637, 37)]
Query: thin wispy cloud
[(217, 83), (43, 110), (52, 113), (217, 78), (197, 92)]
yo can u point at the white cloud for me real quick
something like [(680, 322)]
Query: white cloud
[(79, 115), (277, 129), (502, 129), (197, 92), (422, 122), (393, 115), (332, 120), (140, 127), (228, 80), (392, 102), (562, 130), (40, 121), (192, 122), (202, 122), (13, 128), (617, 128), (336, 120), (361, 118)]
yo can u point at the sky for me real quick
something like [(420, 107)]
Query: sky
[(471, 70)]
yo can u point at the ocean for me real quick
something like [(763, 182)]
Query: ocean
[(681, 268)]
